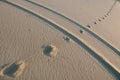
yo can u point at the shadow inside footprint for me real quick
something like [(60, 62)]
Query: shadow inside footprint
[(99, 20), (66, 38), (103, 18), (14, 69), (88, 26), (50, 50), (11, 70), (81, 31), (95, 22)]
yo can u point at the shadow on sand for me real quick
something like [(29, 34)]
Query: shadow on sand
[(89, 50)]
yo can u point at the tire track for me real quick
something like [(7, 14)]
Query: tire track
[(89, 31), (109, 66)]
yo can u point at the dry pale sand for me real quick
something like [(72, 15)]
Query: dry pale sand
[(59, 40)]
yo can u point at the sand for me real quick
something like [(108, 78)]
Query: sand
[(59, 40), (13, 70), (50, 50)]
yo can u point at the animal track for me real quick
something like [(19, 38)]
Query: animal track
[(67, 39)]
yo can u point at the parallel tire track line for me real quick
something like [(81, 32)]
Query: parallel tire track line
[(90, 32), (112, 69)]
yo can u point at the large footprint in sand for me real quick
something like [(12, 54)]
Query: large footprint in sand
[(50, 50), (13, 70)]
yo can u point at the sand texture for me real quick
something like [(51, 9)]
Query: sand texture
[(59, 40)]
